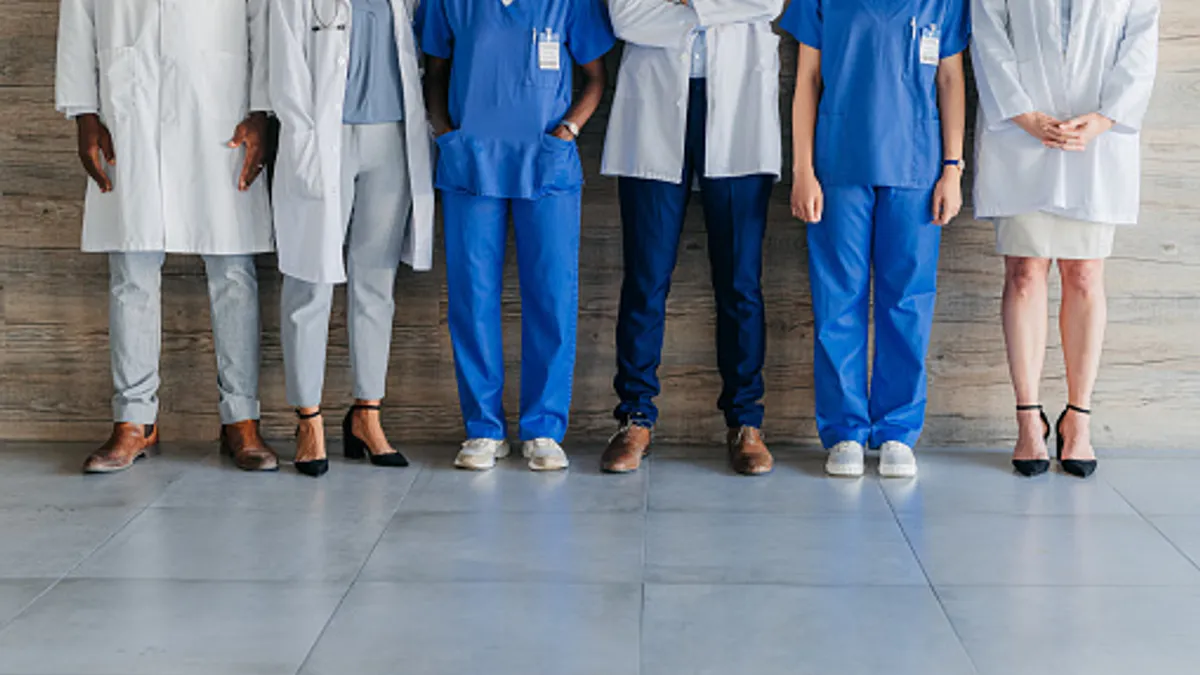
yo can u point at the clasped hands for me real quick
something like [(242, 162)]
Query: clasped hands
[(1073, 135)]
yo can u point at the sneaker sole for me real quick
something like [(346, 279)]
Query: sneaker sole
[(469, 466), (898, 472), (846, 471), (549, 467)]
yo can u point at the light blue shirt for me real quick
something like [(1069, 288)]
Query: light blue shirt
[(1065, 6), (374, 88), (700, 56)]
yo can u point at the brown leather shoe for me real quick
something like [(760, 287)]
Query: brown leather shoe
[(128, 444), (249, 451), (748, 453), (625, 451)]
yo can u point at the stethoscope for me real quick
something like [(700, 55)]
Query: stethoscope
[(333, 24)]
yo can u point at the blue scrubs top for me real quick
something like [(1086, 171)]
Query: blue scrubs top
[(374, 89), (510, 85), (878, 123)]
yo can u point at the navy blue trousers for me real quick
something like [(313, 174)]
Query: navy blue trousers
[(652, 215)]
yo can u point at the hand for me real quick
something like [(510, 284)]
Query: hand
[(94, 142), (1084, 129), (1045, 128), (947, 196), (440, 127), (252, 134), (808, 200), (564, 133)]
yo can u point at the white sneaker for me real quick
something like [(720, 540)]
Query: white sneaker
[(896, 460), (544, 454), (480, 454), (846, 460)]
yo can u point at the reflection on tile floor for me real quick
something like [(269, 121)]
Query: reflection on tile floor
[(185, 565)]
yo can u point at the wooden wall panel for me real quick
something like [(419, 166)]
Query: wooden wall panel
[(54, 382)]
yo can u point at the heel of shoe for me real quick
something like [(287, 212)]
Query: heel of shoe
[(352, 446), (1080, 468)]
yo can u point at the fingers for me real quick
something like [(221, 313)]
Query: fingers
[(939, 208), (106, 147), (252, 166), (817, 212), (239, 136), (94, 166)]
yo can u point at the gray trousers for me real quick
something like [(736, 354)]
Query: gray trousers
[(376, 200), (135, 333)]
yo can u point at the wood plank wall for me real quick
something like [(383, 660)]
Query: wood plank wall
[(54, 364)]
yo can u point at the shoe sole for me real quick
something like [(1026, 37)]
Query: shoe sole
[(842, 470), (468, 466), (548, 467), (899, 472)]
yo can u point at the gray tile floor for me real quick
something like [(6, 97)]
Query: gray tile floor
[(187, 566)]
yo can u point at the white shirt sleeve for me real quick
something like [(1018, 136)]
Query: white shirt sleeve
[(1001, 94), (1125, 95)]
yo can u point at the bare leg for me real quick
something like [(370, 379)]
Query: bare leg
[(365, 424), (310, 435), (1082, 321), (1025, 313)]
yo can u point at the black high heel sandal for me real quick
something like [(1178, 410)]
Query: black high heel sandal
[(1081, 468), (1034, 467), (356, 448), (313, 467)]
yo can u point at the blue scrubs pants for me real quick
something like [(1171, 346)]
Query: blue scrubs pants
[(547, 239), (891, 231), (652, 216)]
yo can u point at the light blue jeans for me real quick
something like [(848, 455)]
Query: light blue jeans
[(135, 333)]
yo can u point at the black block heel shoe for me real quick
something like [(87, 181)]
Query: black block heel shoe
[(356, 448), (1034, 467), (314, 467), (1076, 467)]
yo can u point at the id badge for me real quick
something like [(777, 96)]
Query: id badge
[(549, 51), (931, 46)]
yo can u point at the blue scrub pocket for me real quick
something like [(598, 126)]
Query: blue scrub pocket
[(558, 166), (455, 163), (545, 78)]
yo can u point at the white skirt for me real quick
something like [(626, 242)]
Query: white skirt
[(1046, 235)]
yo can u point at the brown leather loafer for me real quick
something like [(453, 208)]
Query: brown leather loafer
[(748, 454), (625, 451), (127, 444), (249, 451)]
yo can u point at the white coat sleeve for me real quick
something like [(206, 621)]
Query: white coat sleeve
[(1001, 94), (77, 76), (291, 88), (653, 23), (260, 95), (1125, 94), (717, 12)]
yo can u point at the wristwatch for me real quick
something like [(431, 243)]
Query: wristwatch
[(960, 164), (571, 127)]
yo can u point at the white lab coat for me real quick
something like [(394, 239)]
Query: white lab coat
[(308, 89), (171, 80), (1020, 67), (648, 122)]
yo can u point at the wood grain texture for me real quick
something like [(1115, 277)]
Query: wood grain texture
[(55, 381)]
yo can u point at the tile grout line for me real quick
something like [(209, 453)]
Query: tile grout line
[(349, 587), (1151, 523), (929, 582), (112, 535), (648, 468)]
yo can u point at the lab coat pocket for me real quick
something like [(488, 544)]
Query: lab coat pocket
[(300, 161), (558, 166), (118, 83), (768, 51), (223, 85)]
